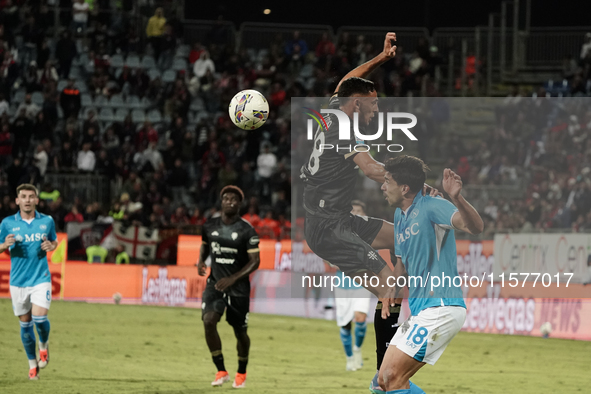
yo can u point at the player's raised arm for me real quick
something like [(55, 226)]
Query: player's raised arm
[(371, 168), (366, 68), (468, 219)]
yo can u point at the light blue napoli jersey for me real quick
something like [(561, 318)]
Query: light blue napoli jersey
[(28, 263), (426, 243)]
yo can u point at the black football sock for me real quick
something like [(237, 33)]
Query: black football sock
[(385, 330), (242, 362), (218, 360)]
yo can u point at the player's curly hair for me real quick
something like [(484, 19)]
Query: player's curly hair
[(232, 189), (408, 170)]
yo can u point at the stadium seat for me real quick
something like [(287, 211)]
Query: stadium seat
[(197, 104), (169, 76), (75, 73), (81, 86), (154, 73), (154, 116), (145, 103), (12, 110), (61, 85), (120, 114), (179, 64), (84, 114), (183, 51), (138, 116), (117, 61), (19, 96), (101, 101), (89, 67), (133, 61), (133, 102), (116, 101), (86, 100), (37, 98), (106, 115), (60, 112), (148, 62)]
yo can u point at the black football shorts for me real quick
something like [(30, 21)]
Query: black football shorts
[(218, 302), (346, 242)]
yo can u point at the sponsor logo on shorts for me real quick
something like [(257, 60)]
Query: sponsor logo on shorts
[(372, 255)]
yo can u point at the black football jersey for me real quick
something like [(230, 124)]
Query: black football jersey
[(229, 245), (330, 175)]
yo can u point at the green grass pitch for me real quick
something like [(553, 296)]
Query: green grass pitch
[(98, 348)]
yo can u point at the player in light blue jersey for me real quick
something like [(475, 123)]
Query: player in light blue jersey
[(425, 244), (29, 235)]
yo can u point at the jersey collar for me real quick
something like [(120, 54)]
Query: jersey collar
[(417, 198), (19, 217)]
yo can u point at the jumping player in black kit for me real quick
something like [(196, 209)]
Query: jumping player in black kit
[(332, 232), (234, 248)]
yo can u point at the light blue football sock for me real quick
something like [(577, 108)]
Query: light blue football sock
[(28, 338), (405, 391), (43, 327), (347, 340), (360, 330)]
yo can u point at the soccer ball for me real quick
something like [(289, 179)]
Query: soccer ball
[(546, 329), (117, 298), (249, 109)]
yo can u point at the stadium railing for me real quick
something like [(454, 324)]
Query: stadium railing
[(90, 187), (407, 37), (260, 35), (548, 46)]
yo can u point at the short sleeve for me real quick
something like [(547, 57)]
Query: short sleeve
[(441, 211), (252, 240), (3, 232), (397, 251), (51, 235)]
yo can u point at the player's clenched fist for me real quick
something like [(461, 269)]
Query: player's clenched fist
[(201, 268), (9, 241), (452, 183)]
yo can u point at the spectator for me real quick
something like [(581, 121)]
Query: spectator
[(325, 46), (49, 73), (203, 64), (22, 129), (179, 217), (86, 159), (16, 174), (196, 52), (31, 109), (4, 106), (266, 163), (32, 37), (43, 53), (121, 256), (96, 254), (252, 216), (80, 10), (41, 160), (168, 46), (90, 122), (49, 193), (74, 215), (65, 53), (155, 30), (269, 227), (197, 218), (586, 47), (5, 145), (31, 78)]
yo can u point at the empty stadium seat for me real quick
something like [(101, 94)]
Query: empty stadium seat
[(154, 116), (106, 115), (133, 61), (138, 116), (120, 114), (133, 102), (148, 62), (86, 100), (179, 64), (117, 61), (183, 51), (154, 73), (37, 98), (101, 101), (117, 101), (169, 76)]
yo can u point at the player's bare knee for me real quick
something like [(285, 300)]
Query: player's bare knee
[(26, 317), (390, 379)]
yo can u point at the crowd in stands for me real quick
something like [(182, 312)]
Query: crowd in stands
[(149, 112)]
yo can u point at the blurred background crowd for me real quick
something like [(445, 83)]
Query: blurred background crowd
[(134, 100)]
